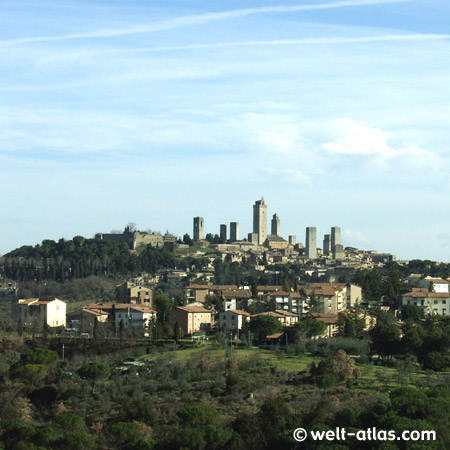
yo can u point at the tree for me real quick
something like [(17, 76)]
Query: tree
[(130, 227), (163, 305), (265, 325), (385, 336), (287, 285), (311, 327), (340, 365), (214, 302), (351, 324), (413, 312), (94, 372), (121, 329), (312, 303), (177, 332)]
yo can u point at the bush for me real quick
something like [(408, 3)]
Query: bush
[(326, 380)]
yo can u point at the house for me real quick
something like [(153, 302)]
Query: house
[(137, 319), (234, 299), (233, 320), (435, 284), (83, 320), (129, 292), (330, 320), (280, 299), (330, 298), (191, 318), (195, 293), (33, 313), (432, 303), (198, 292), (289, 318)]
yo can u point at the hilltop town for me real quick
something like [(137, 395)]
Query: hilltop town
[(141, 340)]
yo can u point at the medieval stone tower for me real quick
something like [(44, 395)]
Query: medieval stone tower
[(260, 220)]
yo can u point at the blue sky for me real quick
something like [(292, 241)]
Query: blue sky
[(337, 112)]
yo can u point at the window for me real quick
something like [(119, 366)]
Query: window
[(232, 317)]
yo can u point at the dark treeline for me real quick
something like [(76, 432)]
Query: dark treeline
[(81, 258)]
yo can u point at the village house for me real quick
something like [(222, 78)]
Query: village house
[(191, 318), (33, 313), (137, 319), (129, 292), (233, 320), (432, 303)]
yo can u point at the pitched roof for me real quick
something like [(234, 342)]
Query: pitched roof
[(278, 294), (424, 293), (27, 301), (327, 318), (194, 309), (275, 336), (240, 293), (239, 312), (269, 313), (286, 313)]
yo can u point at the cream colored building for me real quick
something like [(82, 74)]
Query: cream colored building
[(34, 313), (233, 320), (191, 318)]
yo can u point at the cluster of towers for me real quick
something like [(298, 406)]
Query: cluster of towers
[(331, 242), (199, 230)]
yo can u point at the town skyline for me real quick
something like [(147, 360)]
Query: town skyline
[(336, 111)]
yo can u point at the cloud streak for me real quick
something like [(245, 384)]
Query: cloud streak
[(194, 20), (302, 41)]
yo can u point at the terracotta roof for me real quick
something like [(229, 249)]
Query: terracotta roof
[(268, 313), (269, 288), (194, 309), (437, 280), (327, 318), (197, 286), (221, 287), (27, 301), (240, 312), (276, 335), (94, 312), (286, 313), (424, 293), (278, 293), (236, 293)]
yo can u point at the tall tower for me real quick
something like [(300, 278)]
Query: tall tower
[(326, 245), (234, 231), (335, 237), (223, 233), (311, 242), (199, 230), (260, 220), (275, 225)]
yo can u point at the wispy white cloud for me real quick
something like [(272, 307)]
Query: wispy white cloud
[(354, 138), (295, 42), (199, 19)]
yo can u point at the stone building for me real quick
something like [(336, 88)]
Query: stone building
[(260, 220), (199, 228), (311, 242)]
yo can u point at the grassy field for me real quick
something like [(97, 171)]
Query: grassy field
[(374, 377)]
